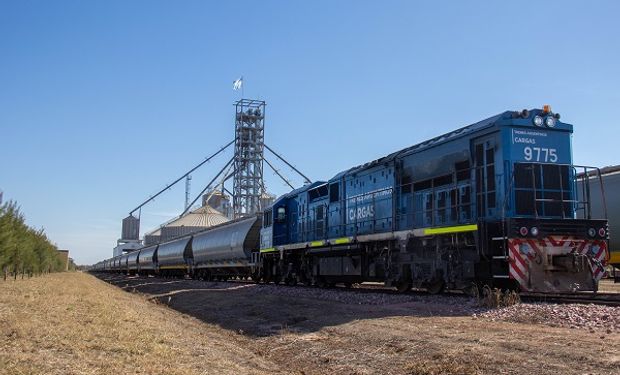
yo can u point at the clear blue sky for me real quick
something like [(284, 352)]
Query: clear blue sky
[(104, 102)]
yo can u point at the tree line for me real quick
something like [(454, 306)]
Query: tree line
[(24, 250)]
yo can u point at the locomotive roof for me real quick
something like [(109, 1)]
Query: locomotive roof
[(429, 143), (458, 133), (504, 118)]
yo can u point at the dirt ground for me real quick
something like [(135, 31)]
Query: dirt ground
[(194, 327)]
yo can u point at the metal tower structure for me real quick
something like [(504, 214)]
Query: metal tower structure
[(249, 155), (245, 168)]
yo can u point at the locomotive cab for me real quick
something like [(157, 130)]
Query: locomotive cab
[(273, 232), (548, 234)]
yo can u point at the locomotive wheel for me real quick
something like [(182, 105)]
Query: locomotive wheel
[(404, 286), (473, 290), (348, 285), (436, 286)]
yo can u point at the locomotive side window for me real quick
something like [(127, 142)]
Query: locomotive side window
[(334, 193), (318, 192), (406, 185), (485, 178), (319, 221), (428, 209), (453, 205), (267, 218), (281, 214), (423, 185), (462, 170), (441, 207), (465, 203)]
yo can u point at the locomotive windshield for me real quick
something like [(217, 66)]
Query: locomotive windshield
[(544, 190)]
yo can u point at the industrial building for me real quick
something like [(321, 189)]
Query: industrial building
[(197, 220), (63, 255)]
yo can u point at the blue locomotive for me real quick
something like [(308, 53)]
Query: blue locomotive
[(493, 203), (498, 203)]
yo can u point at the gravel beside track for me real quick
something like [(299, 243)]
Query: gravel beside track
[(595, 318), (608, 299)]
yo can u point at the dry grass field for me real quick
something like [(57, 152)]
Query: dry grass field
[(74, 323)]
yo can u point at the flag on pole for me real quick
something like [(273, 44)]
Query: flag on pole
[(237, 84)]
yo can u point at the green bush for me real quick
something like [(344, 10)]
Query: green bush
[(24, 250)]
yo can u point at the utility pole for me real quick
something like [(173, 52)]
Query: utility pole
[(188, 185)]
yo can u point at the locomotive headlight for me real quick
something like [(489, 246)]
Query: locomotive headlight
[(537, 120), (523, 231), (534, 231), (602, 232), (550, 121), (591, 232)]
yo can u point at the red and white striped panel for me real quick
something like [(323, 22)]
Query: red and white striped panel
[(597, 254), (521, 252)]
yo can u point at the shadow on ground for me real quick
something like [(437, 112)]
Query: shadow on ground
[(263, 310)]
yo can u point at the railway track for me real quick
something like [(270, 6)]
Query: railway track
[(608, 299)]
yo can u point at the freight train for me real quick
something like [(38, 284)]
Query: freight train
[(494, 203)]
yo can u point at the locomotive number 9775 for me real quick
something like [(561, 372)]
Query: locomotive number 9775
[(542, 154)]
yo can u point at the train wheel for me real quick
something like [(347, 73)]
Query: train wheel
[(348, 285), (472, 290), (404, 286), (436, 286)]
